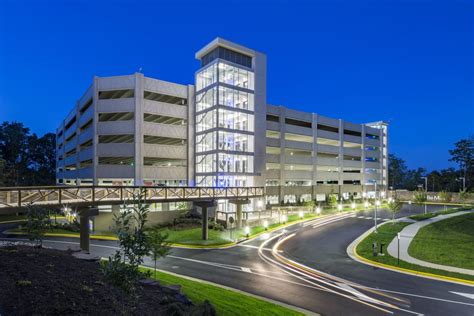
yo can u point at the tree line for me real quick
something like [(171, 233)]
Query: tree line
[(25, 158), (450, 179)]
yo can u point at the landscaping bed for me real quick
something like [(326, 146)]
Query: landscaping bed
[(386, 233), (447, 242), (46, 281)]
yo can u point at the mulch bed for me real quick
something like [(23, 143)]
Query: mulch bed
[(52, 282)]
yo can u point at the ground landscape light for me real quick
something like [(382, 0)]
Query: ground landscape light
[(247, 231)]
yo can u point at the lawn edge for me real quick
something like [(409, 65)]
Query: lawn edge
[(352, 253), (178, 245), (268, 300)]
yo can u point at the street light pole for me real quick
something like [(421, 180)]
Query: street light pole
[(398, 249), (377, 204), (426, 191), (463, 183)]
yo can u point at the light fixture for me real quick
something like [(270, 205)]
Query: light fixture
[(339, 207), (353, 206), (377, 203), (366, 204), (284, 218), (247, 231), (318, 210), (265, 224), (301, 214)]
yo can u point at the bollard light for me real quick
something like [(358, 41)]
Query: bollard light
[(301, 214), (318, 210), (377, 203), (366, 204), (339, 207), (247, 231), (409, 202), (390, 200), (284, 218), (265, 224), (353, 206)]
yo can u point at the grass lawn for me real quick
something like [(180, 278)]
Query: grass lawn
[(226, 302), (8, 218), (447, 242), (421, 217), (193, 236), (62, 231), (385, 235)]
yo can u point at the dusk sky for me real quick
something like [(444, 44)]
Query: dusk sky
[(407, 62)]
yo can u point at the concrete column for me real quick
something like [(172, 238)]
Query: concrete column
[(84, 216), (238, 205), (239, 215), (139, 146), (341, 156), (84, 233), (205, 223), (204, 205)]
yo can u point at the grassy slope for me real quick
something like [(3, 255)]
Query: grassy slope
[(447, 242), (193, 236), (226, 302), (385, 235)]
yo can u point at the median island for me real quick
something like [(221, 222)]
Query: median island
[(450, 238), (448, 242)]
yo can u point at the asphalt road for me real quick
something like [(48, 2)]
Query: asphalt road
[(340, 286)]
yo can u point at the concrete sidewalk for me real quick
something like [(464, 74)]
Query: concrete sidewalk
[(406, 237)]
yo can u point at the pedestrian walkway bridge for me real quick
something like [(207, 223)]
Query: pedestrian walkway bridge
[(21, 197)]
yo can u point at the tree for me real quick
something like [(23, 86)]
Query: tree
[(26, 158), (42, 158), (38, 223), (159, 247), (14, 151), (397, 171), (2, 170), (394, 206), (420, 197), (123, 268), (445, 196), (463, 155)]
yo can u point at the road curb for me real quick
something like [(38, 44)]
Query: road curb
[(352, 253)]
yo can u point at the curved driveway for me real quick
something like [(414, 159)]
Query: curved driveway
[(320, 244)]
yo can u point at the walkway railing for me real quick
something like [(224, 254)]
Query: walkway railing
[(20, 197)]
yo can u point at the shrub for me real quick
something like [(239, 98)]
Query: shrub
[(38, 223), (122, 269)]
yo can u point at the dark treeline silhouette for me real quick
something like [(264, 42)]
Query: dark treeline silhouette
[(25, 158), (450, 179)]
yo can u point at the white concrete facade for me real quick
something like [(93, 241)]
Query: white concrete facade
[(128, 130), (218, 132)]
